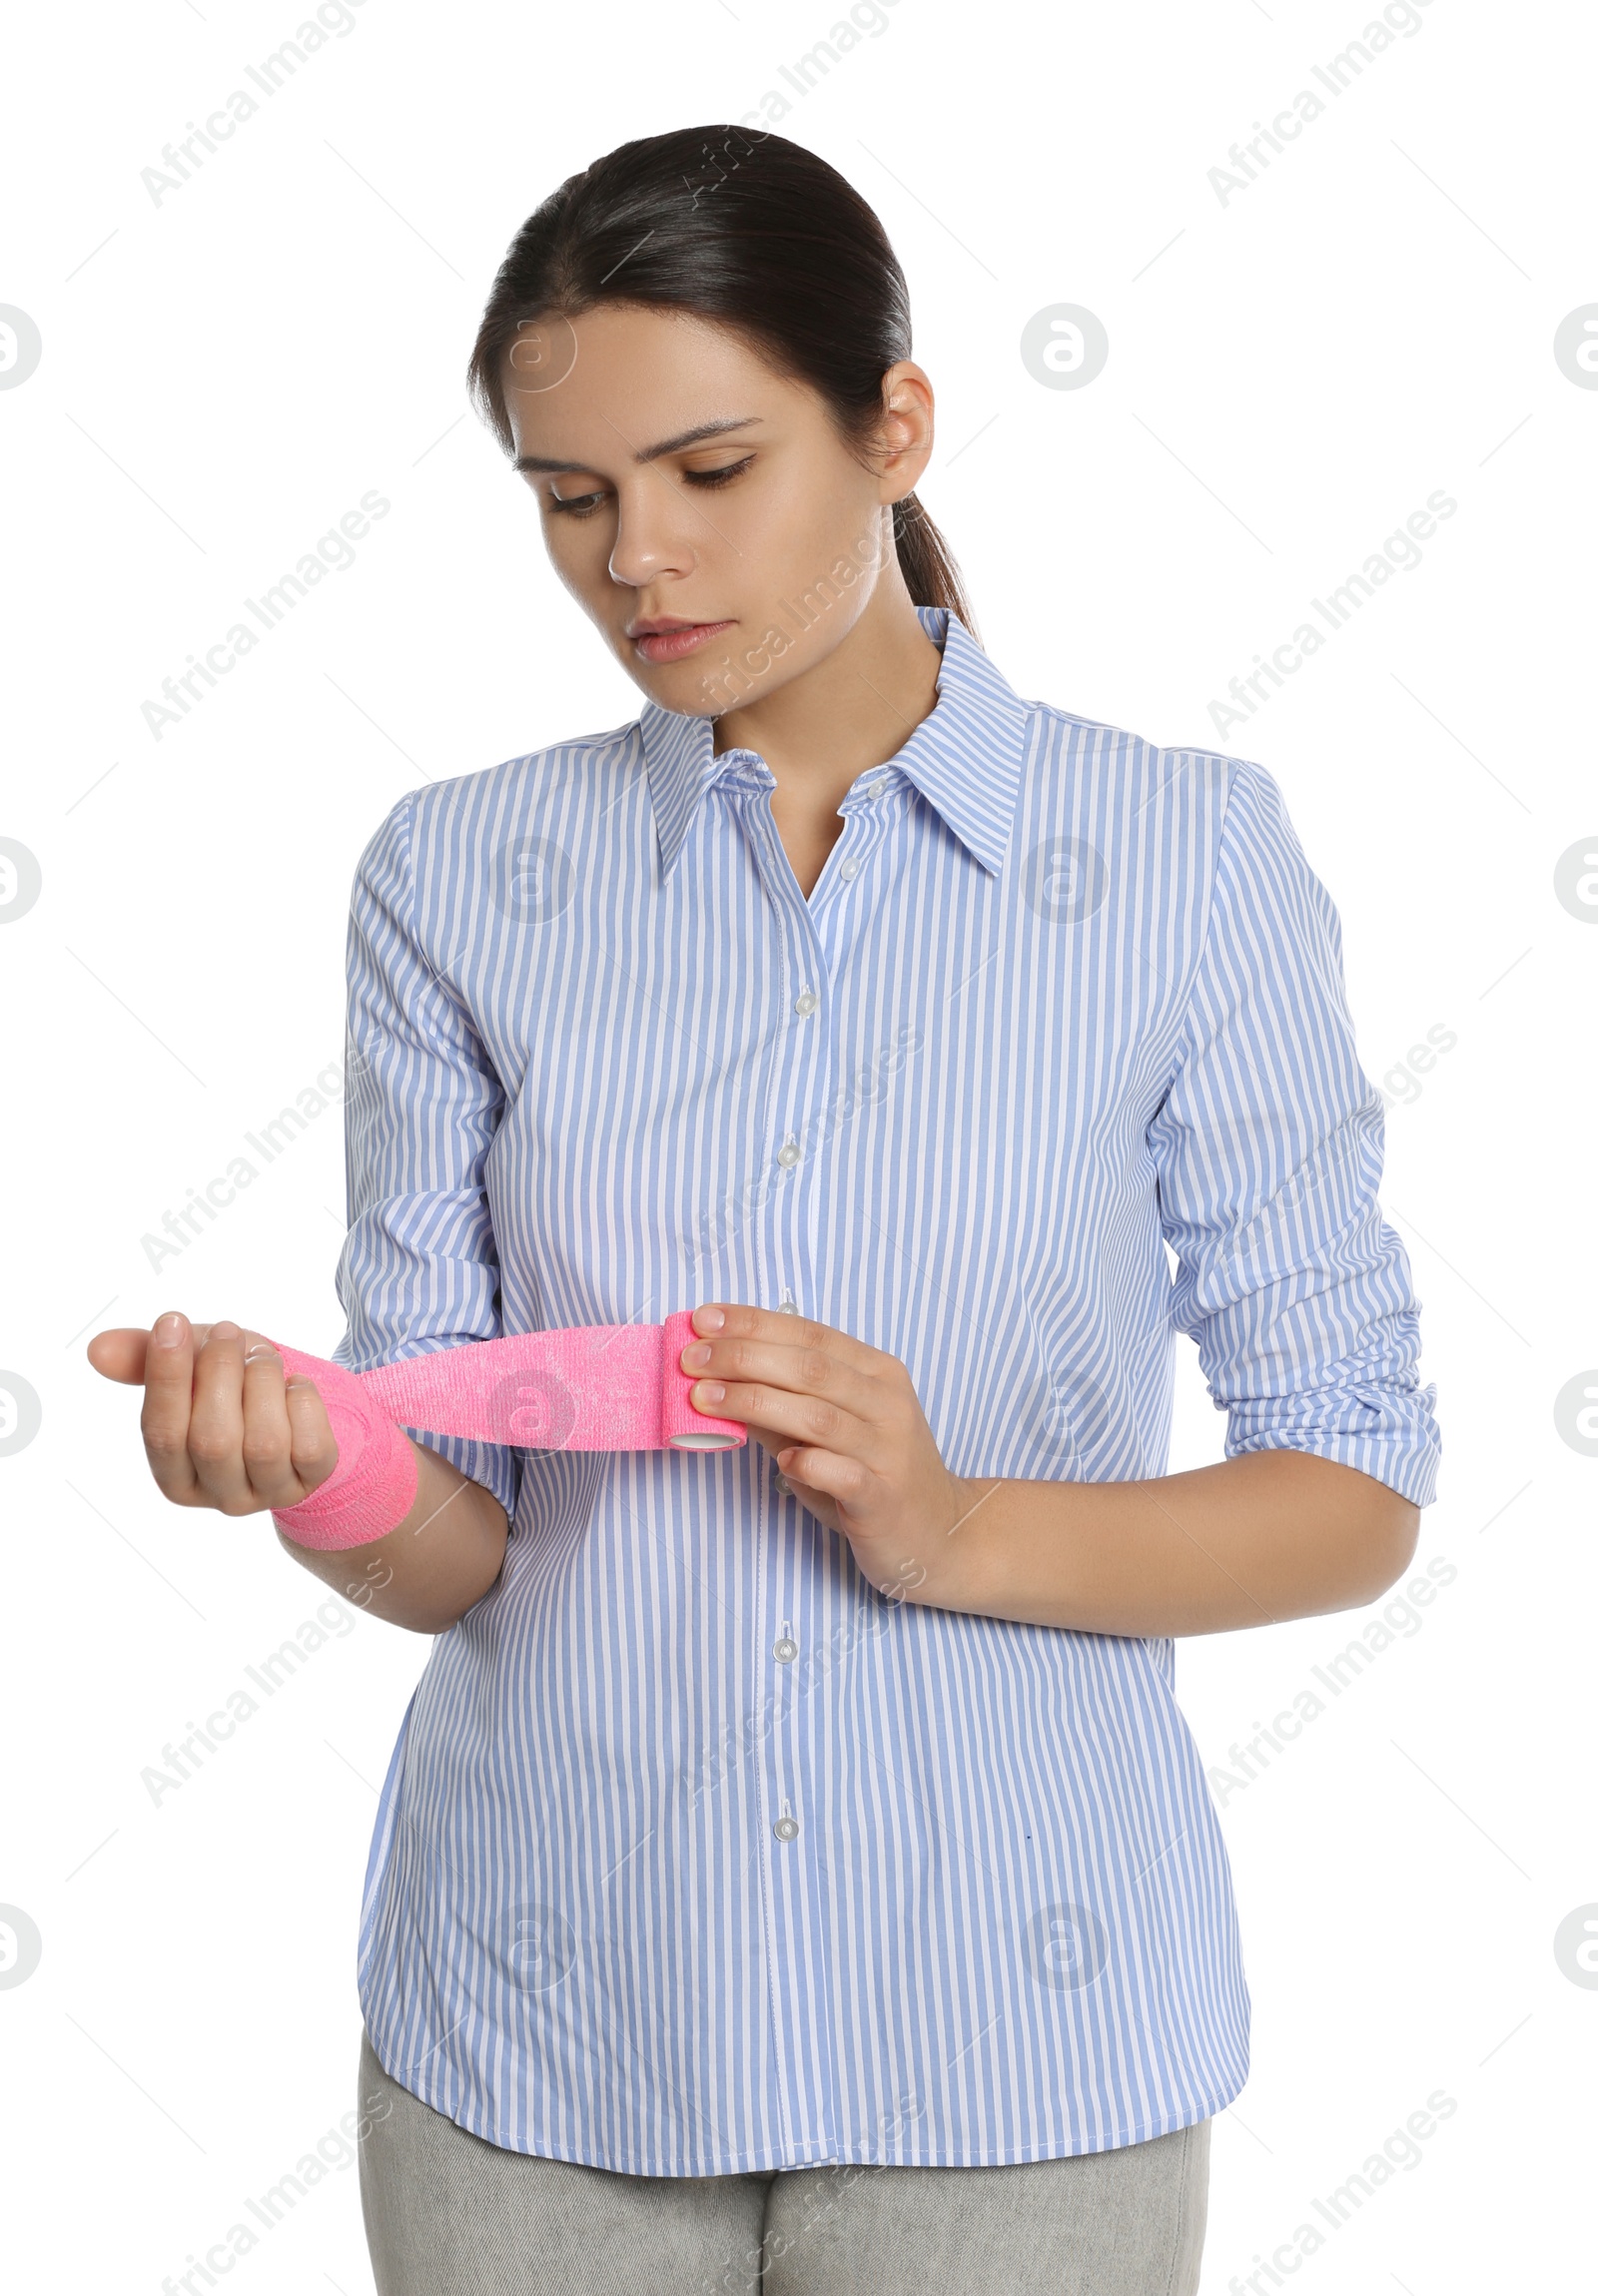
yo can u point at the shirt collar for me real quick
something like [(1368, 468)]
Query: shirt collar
[(965, 757)]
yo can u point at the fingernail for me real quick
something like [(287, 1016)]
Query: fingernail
[(708, 1319), (698, 1356), (168, 1331), (709, 1390), (257, 1348)]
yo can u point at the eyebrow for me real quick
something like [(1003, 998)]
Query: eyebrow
[(649, 453)]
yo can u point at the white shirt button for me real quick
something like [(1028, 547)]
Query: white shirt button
[(806, 1004), (785, 1647), (849, 871), (786, 1829), (788, 1154)]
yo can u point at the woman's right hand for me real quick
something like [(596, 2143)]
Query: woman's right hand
[(222, 1427)]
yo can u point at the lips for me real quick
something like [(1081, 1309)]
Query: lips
[(669, 641)]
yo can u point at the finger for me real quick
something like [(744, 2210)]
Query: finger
[(835, 1479), (315, 1446), (216, 1422), (796, 1367), (790, 1419), (120, 1352), (830, 1472), (779, 1328), (168, 1374), (288, 1446), (788, 1456)]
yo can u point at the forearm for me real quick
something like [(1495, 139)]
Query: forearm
[(428, 1570), (1268, 1536)]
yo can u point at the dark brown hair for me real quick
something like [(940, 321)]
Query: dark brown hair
[(752, 232)]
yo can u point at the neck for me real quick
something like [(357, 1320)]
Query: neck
[(856, 708)]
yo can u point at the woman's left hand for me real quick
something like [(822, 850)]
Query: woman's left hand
[(850, 1435)]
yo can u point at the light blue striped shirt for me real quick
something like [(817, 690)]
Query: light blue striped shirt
[(695, 1853)]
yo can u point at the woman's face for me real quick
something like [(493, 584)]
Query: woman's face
[(683, 482)]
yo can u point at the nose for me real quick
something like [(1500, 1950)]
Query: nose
[(653, 537)]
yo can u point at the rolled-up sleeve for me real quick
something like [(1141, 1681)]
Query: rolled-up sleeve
[(419, 1268), (1268, 1152)]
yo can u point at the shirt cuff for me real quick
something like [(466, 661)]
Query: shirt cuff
[(1391, 1436), (497, 1466)]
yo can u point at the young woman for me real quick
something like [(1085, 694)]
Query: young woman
[(794, 1870)]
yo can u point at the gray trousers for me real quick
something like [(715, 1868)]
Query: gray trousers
[(448, 2215)]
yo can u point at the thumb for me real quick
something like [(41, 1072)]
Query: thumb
[(119, 1352)]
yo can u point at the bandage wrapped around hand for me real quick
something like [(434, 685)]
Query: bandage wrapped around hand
[(374, 1483), (595, 1387)]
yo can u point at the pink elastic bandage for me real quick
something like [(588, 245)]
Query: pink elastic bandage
[(596, 1388)]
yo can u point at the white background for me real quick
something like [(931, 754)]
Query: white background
[(1290, 373)]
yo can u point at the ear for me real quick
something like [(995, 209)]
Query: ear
[(904, 437)]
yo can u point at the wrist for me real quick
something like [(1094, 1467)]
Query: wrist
[(950, 1565), (374, 1483), (968, 1574)]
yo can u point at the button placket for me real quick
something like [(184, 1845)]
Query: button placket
[(795, 1086), (799, 1082)]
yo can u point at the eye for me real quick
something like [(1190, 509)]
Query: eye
[(720, 477), (575, 505), (584, 505)]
